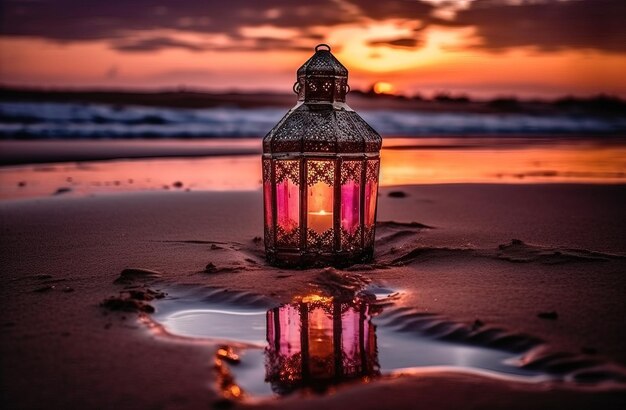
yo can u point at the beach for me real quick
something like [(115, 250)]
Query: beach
[(292, 205), (313, 205), (542, 263)]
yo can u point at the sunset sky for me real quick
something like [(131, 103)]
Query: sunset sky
[(484, 48)]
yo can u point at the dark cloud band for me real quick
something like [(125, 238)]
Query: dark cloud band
[(500, 24)]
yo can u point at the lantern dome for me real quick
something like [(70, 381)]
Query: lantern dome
[(321, 121), (323, 63)]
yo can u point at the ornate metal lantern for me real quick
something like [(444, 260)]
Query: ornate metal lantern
[(320, 173)]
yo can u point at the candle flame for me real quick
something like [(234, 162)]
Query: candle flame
[(382, 87), (321, 212)]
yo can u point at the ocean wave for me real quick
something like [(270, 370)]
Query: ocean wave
[(73, 120)]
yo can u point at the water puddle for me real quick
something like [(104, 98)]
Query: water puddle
[(316, 342)]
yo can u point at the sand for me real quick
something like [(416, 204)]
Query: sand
[(34, 152), (497, 253)]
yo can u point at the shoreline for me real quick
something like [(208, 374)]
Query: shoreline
[(27, 169), (59, 150)]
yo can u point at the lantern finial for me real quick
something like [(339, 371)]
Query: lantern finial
[(322, 79)]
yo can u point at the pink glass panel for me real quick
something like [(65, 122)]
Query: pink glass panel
[(320, 207), (267, 201), (350, 196), (290, 328), (371, 190), (287, 207)]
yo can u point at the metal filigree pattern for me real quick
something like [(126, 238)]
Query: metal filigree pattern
[(351, 171), (322, 128), (322, 365), (319, 123), (267, 170), (322, 63), (282, 371), (269, 236), (371, 172), (317, 241), (318, 133), (369, 235), (341, 88), (288, 170), (320, 171), (322, 78), (349, 135), (351, 241), (372, 141), (290, 239)]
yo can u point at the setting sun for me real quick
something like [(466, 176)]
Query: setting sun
[(382, 87)]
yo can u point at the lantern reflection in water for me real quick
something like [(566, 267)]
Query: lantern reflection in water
[(317, 342)]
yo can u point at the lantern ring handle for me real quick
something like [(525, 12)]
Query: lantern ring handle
[(348, 88), (322, 45), (296, 87)]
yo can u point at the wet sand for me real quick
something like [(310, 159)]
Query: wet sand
[(497, 253), (81, 168)]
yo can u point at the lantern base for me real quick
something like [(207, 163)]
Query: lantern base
[(302, 260)]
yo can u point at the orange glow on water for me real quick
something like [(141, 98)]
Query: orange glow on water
[(235, 391), (314, 299), (403, 161)]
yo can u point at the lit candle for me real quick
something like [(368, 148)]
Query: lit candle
[(320, 221)]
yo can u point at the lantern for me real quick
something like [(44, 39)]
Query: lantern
[(318, 342), (320, 173)]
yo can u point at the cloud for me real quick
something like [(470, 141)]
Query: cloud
[(395, 9), (130, 26), (71, 20), (155, 44), (398, 42), (547, 24)]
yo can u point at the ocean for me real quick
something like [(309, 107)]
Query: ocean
[(50, 120)]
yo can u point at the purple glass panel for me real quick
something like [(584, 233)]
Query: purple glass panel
[(350, 195), (267, 202), (287, 203), (290, 328)]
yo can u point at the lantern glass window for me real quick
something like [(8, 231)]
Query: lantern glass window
[(287, 203), (351, 174)]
